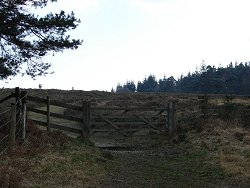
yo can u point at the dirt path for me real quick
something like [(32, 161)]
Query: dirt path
[(132, 170), (148, 164)]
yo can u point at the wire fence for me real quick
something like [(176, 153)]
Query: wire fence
[(19, 126), (13, 121), (4, 132)]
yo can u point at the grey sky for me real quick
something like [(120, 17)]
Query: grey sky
[(130, 39)]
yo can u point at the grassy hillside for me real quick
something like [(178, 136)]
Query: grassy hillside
[(212, 152), (51, 160)]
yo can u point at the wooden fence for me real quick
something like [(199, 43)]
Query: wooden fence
[(15, 124), (100, 119), (92, 119), (48, 102), (227, 109)]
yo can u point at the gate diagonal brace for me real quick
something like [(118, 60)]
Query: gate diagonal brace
[(148, 123), (112, 124)]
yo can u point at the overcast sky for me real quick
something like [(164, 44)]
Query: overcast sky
[(130, 39)]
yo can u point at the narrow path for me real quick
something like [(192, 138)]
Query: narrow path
[(162, 165), (133, 169)]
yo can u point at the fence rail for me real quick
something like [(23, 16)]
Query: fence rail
[(60, 127), (6, 98)]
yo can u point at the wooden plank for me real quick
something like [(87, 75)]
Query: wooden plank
[(86, 119), (83, 133), (107, 121), (161, 111), (89, 116), (112, 130), (56, 126), (110, 123), (7, 98), (64, 105), (171, 118), (128, 108), (36, 110), (24, 113), (48, 114), (52, 114), (54, 102), (66, 117), (36, 99), (130, 116), (148, 123), (210, 115), (102, 130), (126, 123)]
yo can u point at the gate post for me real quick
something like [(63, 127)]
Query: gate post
[(24, 110), (48, 114), (204, 105), (86, 117), (18, 105), (171, 118)]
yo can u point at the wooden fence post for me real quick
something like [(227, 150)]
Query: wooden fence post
[(18, 105), (86, 116), (171, 118), (17, 94), (24, 114), (204, 106), (48, 114), (12, 127), (89, 117)]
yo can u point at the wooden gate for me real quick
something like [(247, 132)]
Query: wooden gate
[(125, 120)]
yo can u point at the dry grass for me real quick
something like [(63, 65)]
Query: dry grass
[(227, 143), (74, 169), (235, 164), (235, 156), (51, 160)]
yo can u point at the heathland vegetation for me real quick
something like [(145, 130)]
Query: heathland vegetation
[(204, 152)]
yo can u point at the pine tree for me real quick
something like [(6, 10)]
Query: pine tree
[(25, 37)]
